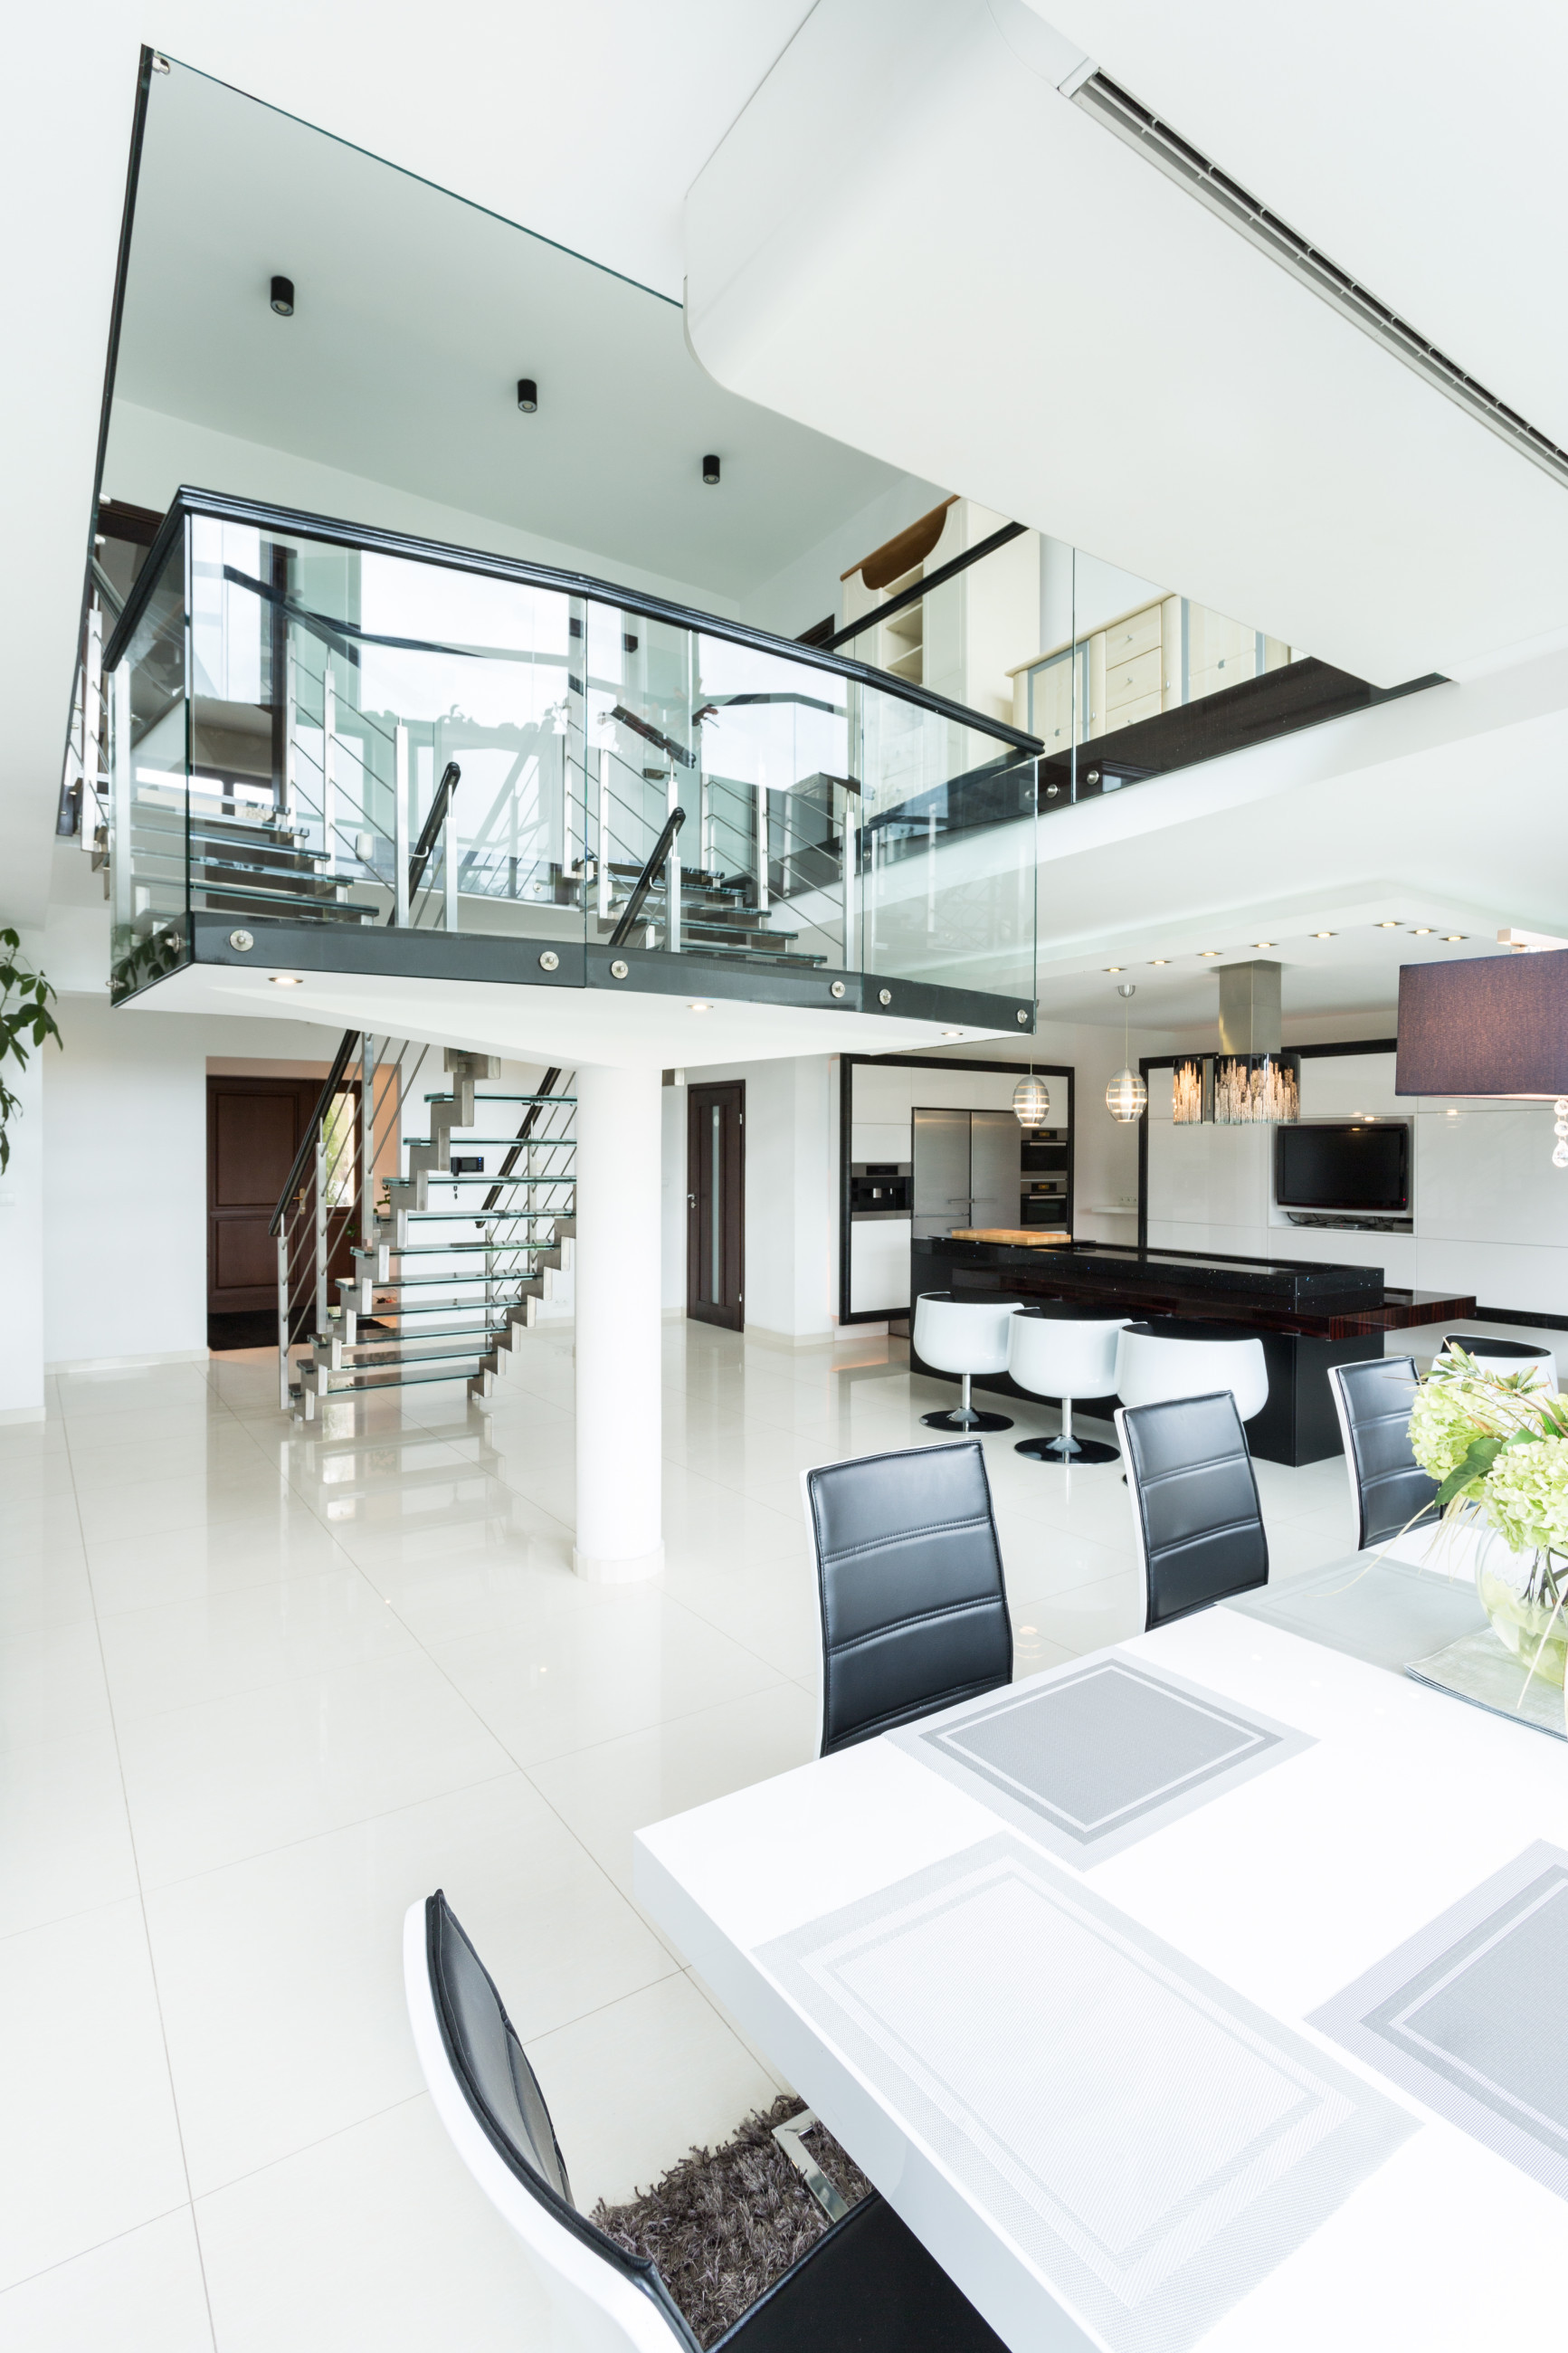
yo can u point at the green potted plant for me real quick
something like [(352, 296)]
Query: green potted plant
[(24, 996), (1498, 1449)]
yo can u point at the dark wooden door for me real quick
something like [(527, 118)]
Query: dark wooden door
[(254, 1126), (716, 1204)]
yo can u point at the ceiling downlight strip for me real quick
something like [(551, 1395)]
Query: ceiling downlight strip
[(1192, 170)]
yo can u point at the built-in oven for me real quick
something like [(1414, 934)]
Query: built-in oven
[(1044, 1201)]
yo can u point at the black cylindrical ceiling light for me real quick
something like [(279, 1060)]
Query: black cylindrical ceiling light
[(283, 296), (527, 395), (709, 469), (1490, 1026)]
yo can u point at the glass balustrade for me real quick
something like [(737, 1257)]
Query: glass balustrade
[(310, 726)]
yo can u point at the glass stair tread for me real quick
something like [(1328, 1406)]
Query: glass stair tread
[(338, 1387), (479, 1098)]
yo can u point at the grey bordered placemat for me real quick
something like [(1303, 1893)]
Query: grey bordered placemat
[(1384, 1611), (1151, 2142), (1468, 2014), (1091, 1757)]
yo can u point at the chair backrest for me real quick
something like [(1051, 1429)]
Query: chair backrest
[(963, 1335), (1069, 1353), (485, 2092), (908, 1573), (1197, 1519), (1389, 1490)]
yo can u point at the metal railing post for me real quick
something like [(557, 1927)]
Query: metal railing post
[(366, 1135), (283, 1319), (123, 788), (321, 1237), (672, 880), (329, 740), (603, 860), (400, 788), (290, 706), (849, 859), (763, 846)]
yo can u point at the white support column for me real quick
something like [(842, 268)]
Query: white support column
[(618, 1326)]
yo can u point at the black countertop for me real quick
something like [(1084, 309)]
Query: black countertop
[(1113, 1270)]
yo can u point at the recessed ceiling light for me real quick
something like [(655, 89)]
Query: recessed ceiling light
[(1211, 952), (1389, 924), (1114, 968), (1422, 931), (1322, 935), (700, 1007), (285, 979), (1452, 939), (952, 1033), (1452, 1114), (1265, 943), (1159, 959)]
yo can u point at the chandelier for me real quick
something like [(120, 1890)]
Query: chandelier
[(1252, 1082)]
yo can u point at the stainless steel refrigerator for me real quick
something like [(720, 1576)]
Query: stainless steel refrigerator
[(966, 1170)]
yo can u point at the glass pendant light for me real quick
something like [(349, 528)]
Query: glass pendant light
[(1127, 1096), (1031, 1101)]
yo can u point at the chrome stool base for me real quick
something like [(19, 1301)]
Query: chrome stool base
[(1066, 1451)]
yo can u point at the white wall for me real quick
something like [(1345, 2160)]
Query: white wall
[(791, 1165), (23, 1192), (1490, 1213), (150, 455), (125, 1161)]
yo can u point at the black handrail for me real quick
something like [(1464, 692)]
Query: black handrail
[(428, 831), (515, 1151), (289, 522), (340, 1061), (645, 881), (450, 777), (948, 571)]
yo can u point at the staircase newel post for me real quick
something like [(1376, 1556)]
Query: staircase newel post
[(321, 1237), (283, 1316)]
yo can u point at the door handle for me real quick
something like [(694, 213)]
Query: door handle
[(691, 1200)]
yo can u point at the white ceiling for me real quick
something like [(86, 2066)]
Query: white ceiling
[(1082, 346), (415, 315)]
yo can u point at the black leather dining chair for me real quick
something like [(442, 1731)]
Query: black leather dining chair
[(866, 2286), (908, 1573), (1196, 1518), (1389, 1490)]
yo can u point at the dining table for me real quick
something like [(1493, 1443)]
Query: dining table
[(1207, 1990)]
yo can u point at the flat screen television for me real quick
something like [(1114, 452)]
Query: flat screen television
[(1361, 1165)]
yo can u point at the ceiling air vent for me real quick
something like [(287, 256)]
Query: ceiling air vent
[(1193, 170)]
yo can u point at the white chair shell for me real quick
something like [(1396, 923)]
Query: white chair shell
[(1153, 1367)]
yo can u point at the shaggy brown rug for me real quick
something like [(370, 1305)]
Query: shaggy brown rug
[(724, 2223)]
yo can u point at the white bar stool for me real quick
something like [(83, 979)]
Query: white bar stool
[(1166, 1356), (1505, 1356), (1065, 1352), (966, 1336)]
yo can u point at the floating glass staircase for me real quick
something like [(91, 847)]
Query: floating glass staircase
[(468, 1246)]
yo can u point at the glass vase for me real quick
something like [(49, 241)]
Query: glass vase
[(1525, 1595)]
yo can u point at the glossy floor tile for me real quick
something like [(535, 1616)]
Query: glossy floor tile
[(263, 1686)]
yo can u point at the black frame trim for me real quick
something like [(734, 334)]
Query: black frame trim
[(1147, 1062), (291, 522), (848, 1064)]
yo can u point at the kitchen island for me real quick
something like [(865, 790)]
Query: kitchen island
[(1308, 1315)]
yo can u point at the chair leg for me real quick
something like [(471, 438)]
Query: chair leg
[(964, 1417), (790, 2137), (1066, 1449)]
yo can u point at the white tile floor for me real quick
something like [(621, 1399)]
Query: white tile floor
[(260, 1688)]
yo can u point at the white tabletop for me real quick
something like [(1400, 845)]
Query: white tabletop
[(1284, 1887)]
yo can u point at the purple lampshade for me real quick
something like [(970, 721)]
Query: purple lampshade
[(1490, 1026)]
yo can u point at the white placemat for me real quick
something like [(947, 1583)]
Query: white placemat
[(1151, 2142)]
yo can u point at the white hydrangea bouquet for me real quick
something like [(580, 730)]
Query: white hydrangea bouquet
[(1498, 1450)]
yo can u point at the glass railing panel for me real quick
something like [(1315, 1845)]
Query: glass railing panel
[(149, 796), (356, 736), (946, 851)]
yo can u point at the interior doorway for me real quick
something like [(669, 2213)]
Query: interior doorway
[(254, 1129), (716, 1202)]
